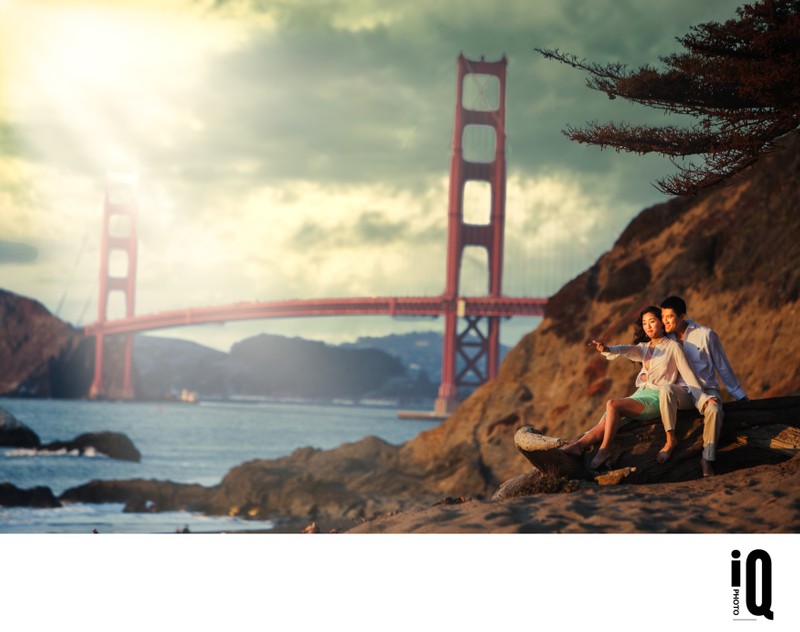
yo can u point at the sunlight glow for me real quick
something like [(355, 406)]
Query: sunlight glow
[(87, 87), (96, 74)]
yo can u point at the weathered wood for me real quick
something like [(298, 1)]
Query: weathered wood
[(638, 443), (778, 437), (544, 454), (759, 412)]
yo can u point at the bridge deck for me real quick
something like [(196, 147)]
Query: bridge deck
[(387, 306)]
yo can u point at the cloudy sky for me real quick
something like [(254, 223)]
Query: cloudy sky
[(300, 148)]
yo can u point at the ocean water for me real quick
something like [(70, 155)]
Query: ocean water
[(185, 443)]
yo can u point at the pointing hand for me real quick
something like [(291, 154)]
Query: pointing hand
[(600, 346)]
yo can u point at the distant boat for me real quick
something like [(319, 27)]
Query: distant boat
[(426, 415), (380, 402)]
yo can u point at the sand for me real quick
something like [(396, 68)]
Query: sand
[(763, 499)]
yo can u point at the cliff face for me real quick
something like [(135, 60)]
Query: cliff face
[(733, 254)]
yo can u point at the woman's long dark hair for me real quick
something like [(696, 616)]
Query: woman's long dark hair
[(638, 330)]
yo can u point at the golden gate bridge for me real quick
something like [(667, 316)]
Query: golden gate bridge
[(471, 348)]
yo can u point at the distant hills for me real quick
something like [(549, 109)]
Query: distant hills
[(269, 366), (420, 352), (403, 367)]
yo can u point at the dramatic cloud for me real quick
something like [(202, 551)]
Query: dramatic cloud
[(301, 149)]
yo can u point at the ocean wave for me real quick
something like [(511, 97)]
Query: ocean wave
[(89, 452), (112, 518)]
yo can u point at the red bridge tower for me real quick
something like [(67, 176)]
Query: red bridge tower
[(118, 248), (471, 356)]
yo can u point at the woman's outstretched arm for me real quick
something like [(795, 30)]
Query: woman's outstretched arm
[(632, 352)]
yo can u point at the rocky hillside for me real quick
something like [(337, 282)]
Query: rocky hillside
[(40, 355)]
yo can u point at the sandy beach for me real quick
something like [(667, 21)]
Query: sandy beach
[(761, 499)]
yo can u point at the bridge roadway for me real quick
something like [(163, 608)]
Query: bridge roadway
[(392, 306)]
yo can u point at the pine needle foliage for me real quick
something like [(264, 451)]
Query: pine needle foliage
[(739, 81)]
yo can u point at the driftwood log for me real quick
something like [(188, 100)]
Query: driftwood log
[(754, 432)]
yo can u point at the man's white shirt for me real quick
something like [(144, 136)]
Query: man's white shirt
[(704, 351)]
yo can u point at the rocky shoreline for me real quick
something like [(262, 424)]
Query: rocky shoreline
[(115, 445), (371, 486)]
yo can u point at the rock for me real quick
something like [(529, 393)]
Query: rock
[(771, 423), (534, 482), (113, 444), (15, 434), (141, 495), (614, 477), (449, 500), (334, 488), (544, 454), (13, 496)]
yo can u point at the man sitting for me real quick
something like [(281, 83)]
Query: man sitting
[(704, 351)]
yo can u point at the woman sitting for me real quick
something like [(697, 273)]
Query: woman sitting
[(662, 361)]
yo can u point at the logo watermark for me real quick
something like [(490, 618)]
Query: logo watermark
[(757, 594)]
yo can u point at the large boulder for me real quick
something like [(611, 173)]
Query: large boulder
[(13, 496), (337, 487), (15, 434), (141, 495), (115, 445)]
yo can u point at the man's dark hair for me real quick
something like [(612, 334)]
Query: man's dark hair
[(675, 303)]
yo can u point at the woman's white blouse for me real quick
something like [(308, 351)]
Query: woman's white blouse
[(667, 363)]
